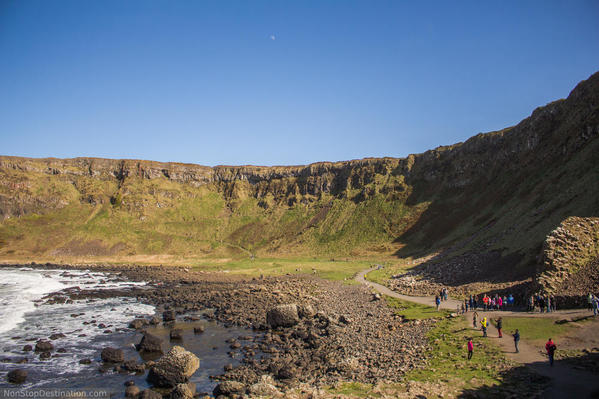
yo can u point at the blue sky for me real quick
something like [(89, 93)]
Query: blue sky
[(279, 82)]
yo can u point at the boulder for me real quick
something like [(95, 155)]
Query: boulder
[(229, 388), (282, 316), (150, 343), (57, 336), (176, 334), (44, 346), (149, 394), (131, 391), (17, 376), (173, 368), (198, 330), (45, 355), (85, 361), (169, 315), (155, 320), (264, 388), (27, 348), (138, 323), (306, 311), (132, 365), (183, 391), (112, 355)]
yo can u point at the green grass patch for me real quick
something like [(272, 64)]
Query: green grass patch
[(536, 328), (355, 389), (448, 362), (414, 311), (327, 269)]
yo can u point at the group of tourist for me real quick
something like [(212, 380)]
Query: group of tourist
[(550, 346), (495, 302), (544, 302)]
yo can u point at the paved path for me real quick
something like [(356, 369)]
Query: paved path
[(423, 300), (566, 382)]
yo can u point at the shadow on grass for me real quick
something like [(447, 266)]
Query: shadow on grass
[(569, 378)]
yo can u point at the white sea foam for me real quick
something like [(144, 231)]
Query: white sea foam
[(23, 315)]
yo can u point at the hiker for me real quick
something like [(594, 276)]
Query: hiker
[(474, 316), (486, 302), (549, 305), (470, 348), (441, 294), (531, 304), (437, 301), (483, 324), (550, 348), (590, 300), (595, 306), (499, 326), (465, 305), (516, 336), (510, 301)]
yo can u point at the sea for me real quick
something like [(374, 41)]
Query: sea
[(25, 318)]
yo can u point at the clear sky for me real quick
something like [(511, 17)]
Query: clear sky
[(279, 82)]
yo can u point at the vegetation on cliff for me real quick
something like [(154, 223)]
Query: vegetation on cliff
[(498, 194)]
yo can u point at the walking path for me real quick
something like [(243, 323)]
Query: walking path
[(566, 381)]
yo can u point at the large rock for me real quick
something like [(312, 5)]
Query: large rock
[(264, 388), (169, 315), (183, 391), (112, 355), (176, 334), (305, 311), (173, 368), (229, 388), (131, 391), (17, 376), (149, 394), (150, 343), (43, 346), (282, 316), (138, 323)]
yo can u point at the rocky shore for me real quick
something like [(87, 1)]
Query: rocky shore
[(309, 332)]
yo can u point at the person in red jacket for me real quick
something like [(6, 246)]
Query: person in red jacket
[(470, 348), (550, 348)]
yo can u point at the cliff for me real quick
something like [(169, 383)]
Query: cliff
[(498, 193)]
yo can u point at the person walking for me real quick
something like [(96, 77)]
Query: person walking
[(474, 317), (437, 301), (590, 301), (499, 325), (516, 336), (595, 306), (531, 303), (483, 325), (470, 348), (550, 348)]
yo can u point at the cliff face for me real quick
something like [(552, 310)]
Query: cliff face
[(485, 194)]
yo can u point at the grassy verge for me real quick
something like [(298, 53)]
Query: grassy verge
[(327, 269), (414, 311), (536, 329)]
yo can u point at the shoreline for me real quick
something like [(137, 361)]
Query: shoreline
[(348, 335)]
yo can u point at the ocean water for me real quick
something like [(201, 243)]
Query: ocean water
[(24, 319)]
